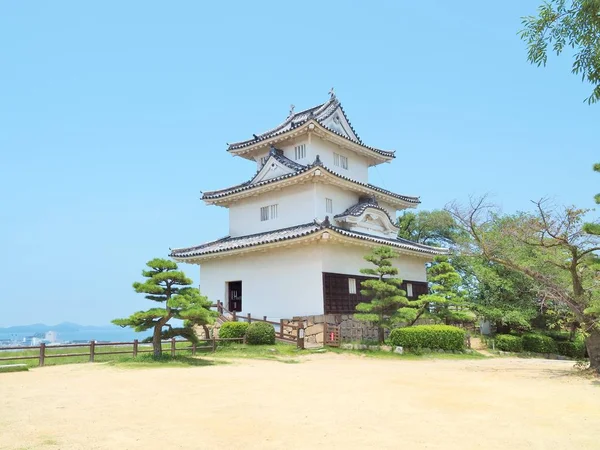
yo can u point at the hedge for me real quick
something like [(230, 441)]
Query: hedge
[(231, 330), (538, 343), (435, 337), (571, 349), (260, 333), (509, 343)]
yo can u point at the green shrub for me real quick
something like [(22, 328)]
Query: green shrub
[(571, 349), (538, 343), (435, 337), (509, 343), (260, 333), (231, 330)]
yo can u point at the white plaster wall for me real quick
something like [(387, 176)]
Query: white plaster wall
[(392, 211), (295, 207), (280, 283), (349, 259), (342, 200), (358, 166)]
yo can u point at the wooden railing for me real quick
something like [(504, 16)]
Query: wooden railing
[(287, 332), (93, 349)]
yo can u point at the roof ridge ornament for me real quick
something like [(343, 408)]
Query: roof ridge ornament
[(318, 161), (292, 106), (332, 93)]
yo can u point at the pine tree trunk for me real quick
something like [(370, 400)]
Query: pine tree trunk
[(381, 335), (592, 344), (156, 341)]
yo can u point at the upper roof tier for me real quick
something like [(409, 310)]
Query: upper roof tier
[(327, 120)]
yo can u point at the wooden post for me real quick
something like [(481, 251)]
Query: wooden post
[(214, 344), (281, 328), (193, 349), (92, 350), (300, 332), (265, 318), (172, 346), (249, 318), (42, 353), (135, 347), (234, 316)]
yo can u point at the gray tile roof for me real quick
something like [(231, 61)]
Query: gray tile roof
[(235, 243), (318, 113), (298, 171), (359, 208)]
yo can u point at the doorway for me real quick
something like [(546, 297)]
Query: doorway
[(234, 295)]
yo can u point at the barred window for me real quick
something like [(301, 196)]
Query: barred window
[(352, 285), (268, 212), (300, 151), (328, 205), (409, 290), (340, 161)]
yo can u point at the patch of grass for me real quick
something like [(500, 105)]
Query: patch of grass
[(148, 360), (276, 352), (13, 368), (49, 441)]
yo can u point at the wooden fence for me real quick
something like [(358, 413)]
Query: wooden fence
[(288, 333), (94, 349)]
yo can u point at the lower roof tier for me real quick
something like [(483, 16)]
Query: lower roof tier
[(296, 234)]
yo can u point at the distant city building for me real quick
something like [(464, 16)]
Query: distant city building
[(51, 337)]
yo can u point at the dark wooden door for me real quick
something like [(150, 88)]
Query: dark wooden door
[(235, 296)]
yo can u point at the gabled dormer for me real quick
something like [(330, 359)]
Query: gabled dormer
[(368, 217), (275, 164)]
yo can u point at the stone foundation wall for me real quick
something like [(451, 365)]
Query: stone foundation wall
[(350, 328)]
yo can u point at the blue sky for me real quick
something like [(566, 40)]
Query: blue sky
[(114, 117)]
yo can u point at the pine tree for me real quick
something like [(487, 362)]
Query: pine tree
[(168, 286), (445, 300), (386, 294)]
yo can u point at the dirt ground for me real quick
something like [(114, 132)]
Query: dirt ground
[(329, 400)]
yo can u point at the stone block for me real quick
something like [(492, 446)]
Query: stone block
[(374, 347), (360, 346), (347, 346), (399, 350), (386, 348)]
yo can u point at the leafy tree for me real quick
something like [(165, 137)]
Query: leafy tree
[(593, 228), (567, 23), (501, 295), (168, 286), (550, 246), (446, 300), (386, 294), (429, 227)]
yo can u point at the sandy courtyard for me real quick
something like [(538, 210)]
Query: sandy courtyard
[(328, 400)]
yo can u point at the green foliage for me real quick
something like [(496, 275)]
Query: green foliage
[(538, 343), (230, 330), (442, 337), (435, 227), (574, 349), (169, 286), (385, 292), (260, 333), (446, 301), (572, 24), (509, 343), (501, 295)]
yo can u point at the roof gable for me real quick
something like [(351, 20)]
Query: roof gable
[(338, 122), (367, 216), (275, 166)]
